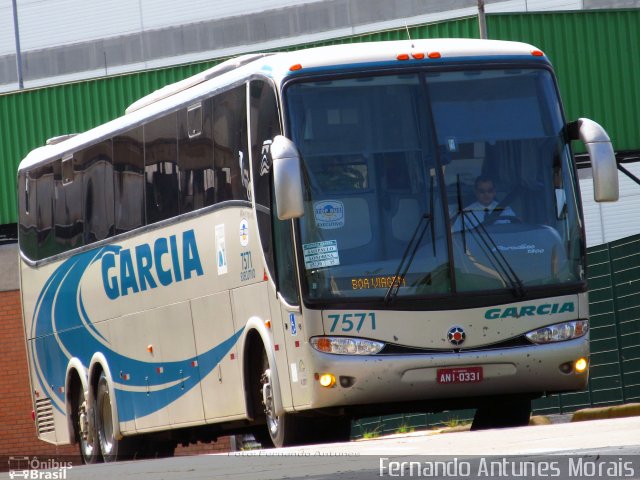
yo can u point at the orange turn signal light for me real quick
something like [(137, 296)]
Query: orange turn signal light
[(327, 380)]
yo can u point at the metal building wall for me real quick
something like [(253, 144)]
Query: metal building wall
[(120, 36)]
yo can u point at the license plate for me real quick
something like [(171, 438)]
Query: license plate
[(459, 375)]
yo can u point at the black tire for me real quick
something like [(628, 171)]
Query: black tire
[(510, 412), (281, 430), (86, 434), (288, 429), (155, 448), (111, 448)]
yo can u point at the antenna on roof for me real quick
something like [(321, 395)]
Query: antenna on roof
[(408, 33)]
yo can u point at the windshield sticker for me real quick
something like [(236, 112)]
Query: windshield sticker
[(321, 254), (329, 214)]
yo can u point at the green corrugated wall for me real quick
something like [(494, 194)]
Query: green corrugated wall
[(594, 53)]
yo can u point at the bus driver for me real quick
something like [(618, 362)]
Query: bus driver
[(485, 204)]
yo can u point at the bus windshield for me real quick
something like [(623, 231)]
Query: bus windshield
[(425, 184)]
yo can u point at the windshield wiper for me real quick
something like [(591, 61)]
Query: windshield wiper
[(500, 263), (412, 248), (426, 220)]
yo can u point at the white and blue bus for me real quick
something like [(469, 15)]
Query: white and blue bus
[(286, 242)]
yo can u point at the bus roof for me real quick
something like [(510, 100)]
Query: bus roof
[(280, 66)]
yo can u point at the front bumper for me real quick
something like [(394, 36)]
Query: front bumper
[(531, 369)]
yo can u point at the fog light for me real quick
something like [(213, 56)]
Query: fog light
[(327, 380), (566, 367), (581, 365), (346, 382)]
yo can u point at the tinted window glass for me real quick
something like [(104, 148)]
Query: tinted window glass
[(67, 205), (43, 177), (161, 168), (128, 179), (265, 125), (230, 145), (195, 157), (27, 208), (96, 165)]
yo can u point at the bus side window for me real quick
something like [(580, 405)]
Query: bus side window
[(195, 156), (28, 219), (44, 209), (68, 221), (128, 179), (161, 168), (230, 144), (96, 164)]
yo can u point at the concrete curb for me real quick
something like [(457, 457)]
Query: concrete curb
[(599, 413)]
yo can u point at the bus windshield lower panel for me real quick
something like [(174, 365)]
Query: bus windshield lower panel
[(425, 184)]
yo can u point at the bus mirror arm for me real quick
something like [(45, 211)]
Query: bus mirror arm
[(287, 178), (603, 159)]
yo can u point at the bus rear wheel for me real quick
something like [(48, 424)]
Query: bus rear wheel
[(87, 439), (112, 449)]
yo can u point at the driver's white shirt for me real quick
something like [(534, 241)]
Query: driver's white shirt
[(477, 212)]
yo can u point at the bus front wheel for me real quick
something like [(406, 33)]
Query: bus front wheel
[(285, 429), (112, 449), (509, 412)]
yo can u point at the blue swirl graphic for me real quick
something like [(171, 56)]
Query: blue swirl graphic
[(62, 329)]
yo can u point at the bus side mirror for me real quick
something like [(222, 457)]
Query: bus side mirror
[(603, 160), (287, 178)]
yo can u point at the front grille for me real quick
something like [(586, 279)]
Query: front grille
[(393, 349), (44, 416)]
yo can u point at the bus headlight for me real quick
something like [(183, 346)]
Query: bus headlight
[(559, 332), (346, 345)]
